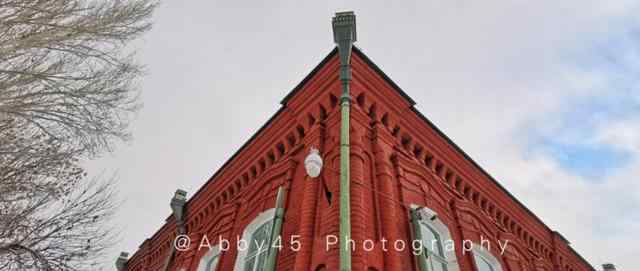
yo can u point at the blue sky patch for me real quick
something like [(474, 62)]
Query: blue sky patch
[(590, 162), (573, 142)]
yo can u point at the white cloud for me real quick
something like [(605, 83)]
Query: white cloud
[(622, 134), (513, 80)]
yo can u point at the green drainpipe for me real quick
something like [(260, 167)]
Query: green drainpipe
[(417, 235), (272, 256), (344, 34)]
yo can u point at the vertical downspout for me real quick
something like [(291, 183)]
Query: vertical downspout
[(344, 35), (272, 256)]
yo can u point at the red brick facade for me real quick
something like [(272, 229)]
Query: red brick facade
[(398, 158)]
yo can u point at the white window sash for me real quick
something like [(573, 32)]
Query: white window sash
[(247, 235), (449, 258), (211, 255), (481, 252)]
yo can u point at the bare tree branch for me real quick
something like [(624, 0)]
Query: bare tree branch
[(68, 90), (65, 233), (62, 70)]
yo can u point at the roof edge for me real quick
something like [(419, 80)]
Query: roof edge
[(387, 79), (455, 146), (383, 75), (310, 75), (283, 104), (219, 171)]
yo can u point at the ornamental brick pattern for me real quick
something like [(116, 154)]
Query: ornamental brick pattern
[(398, 158)]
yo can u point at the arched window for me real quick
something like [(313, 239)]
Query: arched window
[(209, 261), (484, 260), (257, 235), (437, 241), (257, 254), (434, 246)]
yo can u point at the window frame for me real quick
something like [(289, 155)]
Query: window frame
[(247, 236), (260, 253), (442, 230), (486, 255), (440, 258), (213, 253)]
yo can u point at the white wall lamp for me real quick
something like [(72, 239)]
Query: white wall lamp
[(313, 163)]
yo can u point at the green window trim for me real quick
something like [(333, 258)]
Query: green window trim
[(264, 229), (484, 260), (421, 256), (266, 217), (433, 234), (258, 248), (210, 260)]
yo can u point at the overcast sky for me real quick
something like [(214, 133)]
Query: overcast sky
[(545, 95)]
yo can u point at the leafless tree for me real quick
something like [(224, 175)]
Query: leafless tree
[(69, 232), (68, 89), (63, 70)]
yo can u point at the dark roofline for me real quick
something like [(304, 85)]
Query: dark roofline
[(367, 60), (253, 137), (456, 147), (443, 135), (387, 79), (283, 103), (581, 258), (226, 163), (562, 237), (290, 95), (313, 72), (466, 156)]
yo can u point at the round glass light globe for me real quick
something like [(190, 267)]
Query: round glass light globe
[(313, 163)]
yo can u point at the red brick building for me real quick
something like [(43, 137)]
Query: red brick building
[(399, 161)]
